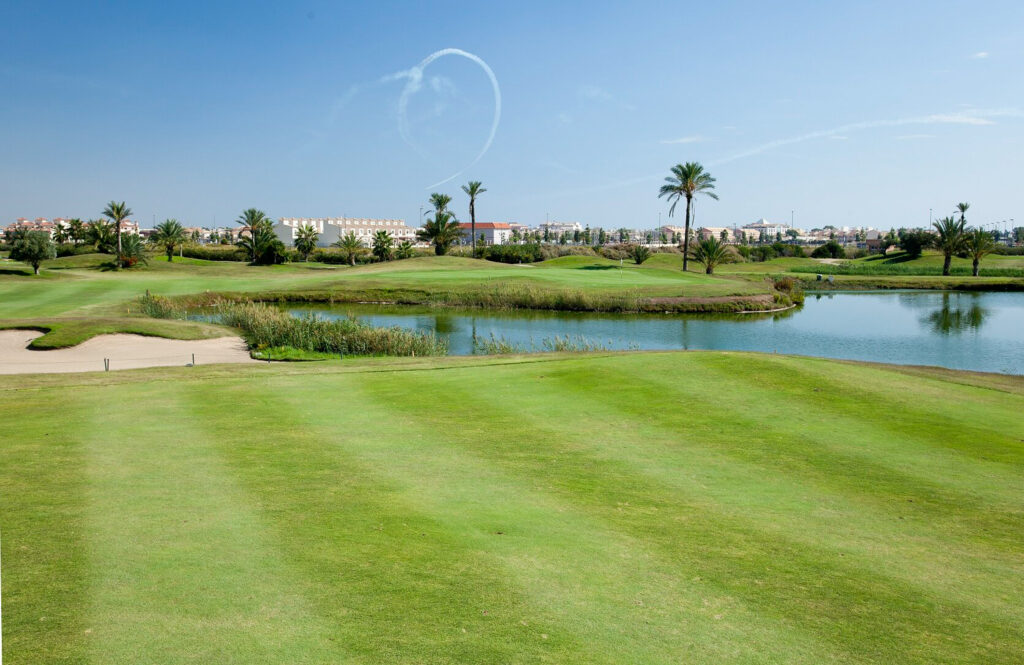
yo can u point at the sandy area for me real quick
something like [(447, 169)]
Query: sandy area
[(124, 352)]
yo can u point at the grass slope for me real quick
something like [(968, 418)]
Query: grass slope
[(634, 508)]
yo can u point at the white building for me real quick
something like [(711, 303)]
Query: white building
[(331, 229), (560, 228), (767, 230), (493, 233)]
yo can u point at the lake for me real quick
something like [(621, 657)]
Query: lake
[(959, 330)]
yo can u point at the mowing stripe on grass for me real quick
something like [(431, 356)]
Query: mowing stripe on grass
[(182, 570), (42, 514), (856, 594)]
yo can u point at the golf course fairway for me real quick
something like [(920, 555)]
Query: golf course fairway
[(610, 508)]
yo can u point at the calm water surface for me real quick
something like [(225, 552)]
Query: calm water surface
[(978, 331)]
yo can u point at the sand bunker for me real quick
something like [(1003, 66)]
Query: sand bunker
[(124, 352)]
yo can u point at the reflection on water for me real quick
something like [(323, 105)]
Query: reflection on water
[(955, 316), (980, 331)]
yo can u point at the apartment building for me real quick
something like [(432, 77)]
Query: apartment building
[(331, 229)]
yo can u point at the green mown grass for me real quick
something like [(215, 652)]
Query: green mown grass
[(612, 508), (435, 280)]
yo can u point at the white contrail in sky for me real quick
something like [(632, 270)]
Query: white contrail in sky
[(969, 117), (976, 117), (413, 84)]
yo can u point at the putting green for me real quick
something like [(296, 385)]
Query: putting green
[(618, 508)]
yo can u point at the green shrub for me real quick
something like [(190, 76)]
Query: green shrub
[(830, 250), (530, 253), (339, 257), (70, 249), (215, 252)]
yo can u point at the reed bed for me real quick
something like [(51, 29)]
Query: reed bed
[(265, 328), (909, 270), (497, 345)]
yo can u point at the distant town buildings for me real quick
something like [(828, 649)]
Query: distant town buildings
[(331, 229), (560, 228), (51, 226)]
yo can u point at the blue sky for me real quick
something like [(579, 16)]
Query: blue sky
[(865, 114)]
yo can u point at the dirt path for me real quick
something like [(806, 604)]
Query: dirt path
[(124, 352)]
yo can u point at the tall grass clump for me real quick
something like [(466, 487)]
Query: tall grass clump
[(265, 327), (496, 345), (160, 307)]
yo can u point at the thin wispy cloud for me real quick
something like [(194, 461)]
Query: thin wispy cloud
[(596, 94), (685, 139), (980, 55)]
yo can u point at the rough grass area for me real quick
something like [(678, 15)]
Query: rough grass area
[(609, 509)]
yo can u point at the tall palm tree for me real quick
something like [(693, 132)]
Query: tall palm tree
[(979, 244), (440, 202), (949, 241), (351, 246), (442, 231), (168, 234), (962, 209), (711, 252), (253, 219), (306, 239), (473, 189), (686, 181), (118, 212)]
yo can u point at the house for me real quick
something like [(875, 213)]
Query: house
[(492, 233)]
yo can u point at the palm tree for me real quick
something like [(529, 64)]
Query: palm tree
[(442, 231), (979, 244), (168, 234), (440, 202), (687, 180), (711, 252), (950, 240), (60, 234), (253, 218), (76, 229), (962, 209), (306, 239), (473, 189), (405, 250), (263, 245), (132, 252), (101, 234), (351, 246), (382, 244), (118, 212)]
